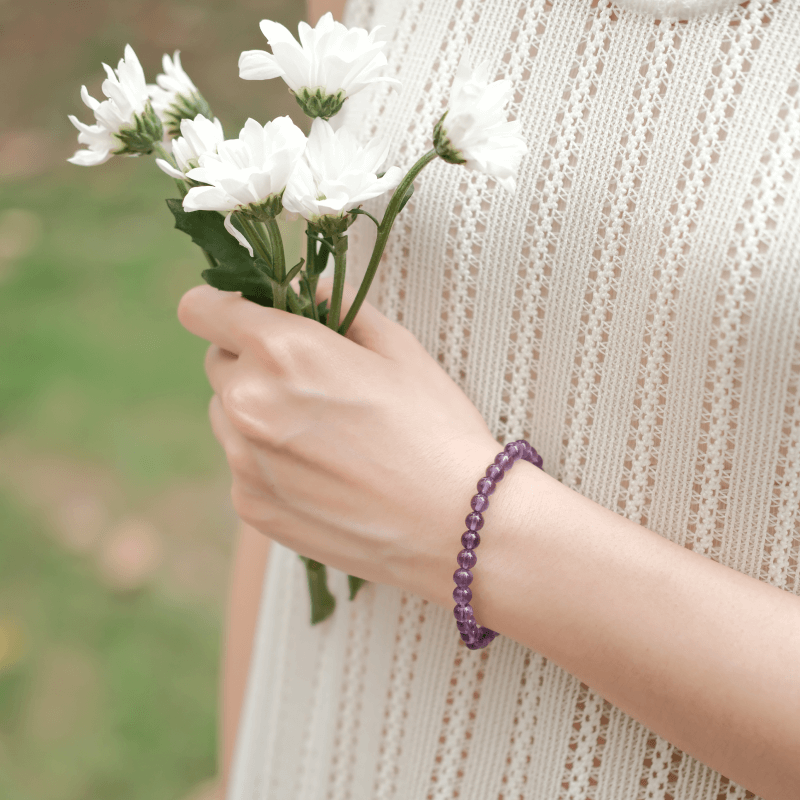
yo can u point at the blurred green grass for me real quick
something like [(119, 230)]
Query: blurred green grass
[(108, 691)]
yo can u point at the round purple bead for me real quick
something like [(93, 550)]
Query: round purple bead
[(462, 595), (494, 473), (485, 487), (503, 461), (537, 460), (462, 577), (514, 450), (480, 502), (467, 559), (463, 613), (470, 539), (474, 521)]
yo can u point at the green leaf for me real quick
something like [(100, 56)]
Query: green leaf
[(293, 271), (255, 287), (207, 229), (355, 584), (322, 601), (406, 197)]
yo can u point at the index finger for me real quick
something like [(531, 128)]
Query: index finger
[(225, 319)]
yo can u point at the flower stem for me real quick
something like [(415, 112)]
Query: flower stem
[(256, 239), (278, 263), (311, 278), (339, 268), (392, 210)]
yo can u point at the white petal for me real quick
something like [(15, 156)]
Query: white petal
[(207, 198), (90, 158), (165, 166), (237, 235), (258, 65), (88, 99)]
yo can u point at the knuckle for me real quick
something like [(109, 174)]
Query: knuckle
[(242, 502), (239, 459), (236, 400), (245, 408)]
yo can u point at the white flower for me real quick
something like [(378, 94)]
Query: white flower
[(249, 173), (127, 98), (174, 95), (200, 136), (336, 174), (475, 131), (330, 64)]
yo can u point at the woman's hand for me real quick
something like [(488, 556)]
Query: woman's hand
[(358, 451)]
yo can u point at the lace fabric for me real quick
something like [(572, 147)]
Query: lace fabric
[(633, 311)]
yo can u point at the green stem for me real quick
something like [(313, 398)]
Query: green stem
[(311, 279), (339, 268), (293, 302), (392, 210), (256, 239), (278, 263)]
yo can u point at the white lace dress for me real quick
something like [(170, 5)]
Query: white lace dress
[(633, 311)]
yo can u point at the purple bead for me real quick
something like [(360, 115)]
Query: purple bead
[(538, 461), (467, 637), (462, 626), (467, 559), (462, 595), (480, 502), (503, 461), (462, 577), (513, 450), (494, 473), (485, 487), (470, 539), (463, 613), (474, 521)]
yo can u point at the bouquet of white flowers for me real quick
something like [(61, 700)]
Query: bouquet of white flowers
[(233, 190)]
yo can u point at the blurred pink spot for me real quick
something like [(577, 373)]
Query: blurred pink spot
[(130, 554)]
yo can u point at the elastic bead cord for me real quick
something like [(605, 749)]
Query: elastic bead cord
[(475, 636)]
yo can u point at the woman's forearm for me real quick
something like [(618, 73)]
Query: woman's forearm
[(703, 655), (247, 575)]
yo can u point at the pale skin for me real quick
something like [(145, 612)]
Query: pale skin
[(362, 453)]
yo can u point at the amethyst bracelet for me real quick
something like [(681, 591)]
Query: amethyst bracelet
[(474, 635)]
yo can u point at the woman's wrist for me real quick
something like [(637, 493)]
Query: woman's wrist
[(506, 526)]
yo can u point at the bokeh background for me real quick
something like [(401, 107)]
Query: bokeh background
[(116, 525)]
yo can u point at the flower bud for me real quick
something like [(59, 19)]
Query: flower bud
[(316, 103), (140, 138), (444, 147)]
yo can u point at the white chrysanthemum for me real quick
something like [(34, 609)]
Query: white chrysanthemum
[(336, 174), (127, 97), (174, 95), (199, 136), (330, 64), (249, 173), (475, 130)]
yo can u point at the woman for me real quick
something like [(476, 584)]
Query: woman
[(634, 312)]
